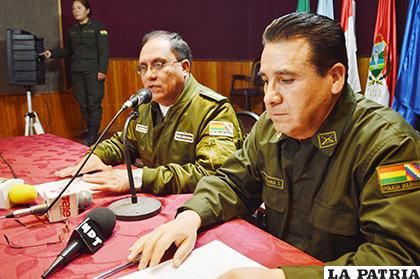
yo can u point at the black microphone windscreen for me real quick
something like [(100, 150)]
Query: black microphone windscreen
[(104, 218), (146, 95)]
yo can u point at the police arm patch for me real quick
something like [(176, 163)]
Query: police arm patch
[(221, 128), (399, 177)]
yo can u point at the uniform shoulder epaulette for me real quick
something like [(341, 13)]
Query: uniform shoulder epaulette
[(212, 95)]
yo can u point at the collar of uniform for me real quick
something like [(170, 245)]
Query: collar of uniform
[(80, 26), (154, 106), (277, 137), (328, 136)]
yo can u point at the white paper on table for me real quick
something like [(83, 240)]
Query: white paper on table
[(56, 186), (207, 262)]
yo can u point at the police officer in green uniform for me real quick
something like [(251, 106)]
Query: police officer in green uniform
[(88, 47), (339, 174), (185, 133)]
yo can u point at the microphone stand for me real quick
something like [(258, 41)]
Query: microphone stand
[(133, 208), (86, 159)]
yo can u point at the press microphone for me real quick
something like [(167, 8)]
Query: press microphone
[(15, 191), (88, 237), (142, 96), (84, 199)]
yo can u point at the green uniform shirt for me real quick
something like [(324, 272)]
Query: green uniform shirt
[(198, 133), (322, 195), (88, 47)]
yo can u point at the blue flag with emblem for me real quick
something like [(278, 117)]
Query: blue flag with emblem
[(407, 91)]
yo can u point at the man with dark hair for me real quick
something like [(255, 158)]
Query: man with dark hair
[(338, 173), (185, 133)]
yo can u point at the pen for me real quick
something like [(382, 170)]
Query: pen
[(118, 268)]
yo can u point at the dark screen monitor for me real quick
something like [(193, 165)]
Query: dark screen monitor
[(25, 66)]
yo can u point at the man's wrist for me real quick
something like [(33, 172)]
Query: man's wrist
[(191, 217)]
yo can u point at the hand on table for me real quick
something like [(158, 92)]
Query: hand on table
[(109, 181), (182, 231), (253, 272), (93, 164)]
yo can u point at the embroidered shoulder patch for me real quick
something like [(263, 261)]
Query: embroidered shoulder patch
[(399, 177), (327, 139), (103, 32), (221, 128)]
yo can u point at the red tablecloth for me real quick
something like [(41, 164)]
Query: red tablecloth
[(35, 159)]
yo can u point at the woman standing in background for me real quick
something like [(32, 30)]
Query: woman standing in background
[(87, 45)]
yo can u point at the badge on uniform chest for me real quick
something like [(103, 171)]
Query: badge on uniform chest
[(141, 128), (273, 181), (183, 136)]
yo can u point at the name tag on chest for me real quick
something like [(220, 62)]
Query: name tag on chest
[(141, 128), (183, 136)]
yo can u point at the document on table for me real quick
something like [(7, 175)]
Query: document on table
[(207, 262), (56, 186)]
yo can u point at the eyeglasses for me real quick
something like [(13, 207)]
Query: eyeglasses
[(154, 67), (62, 233)]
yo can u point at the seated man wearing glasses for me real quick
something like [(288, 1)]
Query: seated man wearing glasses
[(185, 133)]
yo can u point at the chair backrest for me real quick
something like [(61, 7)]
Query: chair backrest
[(247, 119), (255, 77)]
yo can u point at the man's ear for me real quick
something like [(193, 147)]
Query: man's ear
[(338, 77), (186, 67)]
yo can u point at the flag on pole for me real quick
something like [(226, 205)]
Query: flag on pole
[(303, 6), (348, 19), (382, 72), (407, 90), (326, 8)]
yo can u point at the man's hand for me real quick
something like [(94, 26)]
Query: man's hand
[(46, 54), (182, 231), (101, 76), (253, 272), (93, 164), (109, 181)]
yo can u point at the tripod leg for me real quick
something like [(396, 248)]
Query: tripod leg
[(28, 125), (37, 125)]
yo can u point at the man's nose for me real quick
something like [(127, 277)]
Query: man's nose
[(150, 73), (271, 95)]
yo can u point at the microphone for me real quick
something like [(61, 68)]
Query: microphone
[(142, 96), (84, 199), (14, 191), (88, 237), (22, 194)]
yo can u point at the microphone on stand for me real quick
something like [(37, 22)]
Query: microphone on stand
[(88, 237), (134, 208), (141, 96)]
